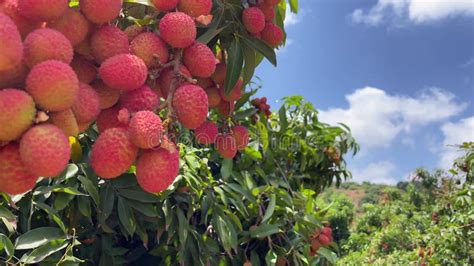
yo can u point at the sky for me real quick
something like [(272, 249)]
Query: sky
[(400, 73)]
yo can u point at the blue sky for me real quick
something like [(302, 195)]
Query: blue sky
[(400, 73)]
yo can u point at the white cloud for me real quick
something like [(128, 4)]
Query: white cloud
[(454, 134), (417, 11), (378, 172), (377, 118), (292, 18)]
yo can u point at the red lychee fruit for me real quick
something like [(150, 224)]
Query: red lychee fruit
[(123, 116), (14, 178), (166, 79), (108, 97), (268, 11), (165, 5), (272, 34), (315, 244), (53, 85), (17, 112), (220, 73), (191, 105), (14, 77), (86, 108), (235, 94), (327, 231), (66, 121), (73, 25), (241, 135), (101, 11), (11, 47), (47, 44), (178, 29), (84, 49), (45, 150), (150, 48), (108, 118), (271, 2), (113, 153), (42, 10), (253, 19), (124, 72), (213, 96), (225, 108), (141, 99), (195, 8), (133, 31), (226, 146), (145, 129), (206, 133), (324, 239), (108, 41), (25, 26), (85, 70), (200, 60), (205, 83)]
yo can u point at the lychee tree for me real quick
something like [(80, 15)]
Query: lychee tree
[(170, 159)]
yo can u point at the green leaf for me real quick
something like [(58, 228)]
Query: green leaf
[(252, 153), (283, 119), (90, 188), (126, 217), (138, 195), (84, 205), (6, 244), (263, 134), (39, 254), (183, 227), (250, 63), (5, 213), (244, 114), (271, 257), (62, 200), (270, 208), (53, 214), (107, 201), (329, 255), (141, 2), (212, 31), (234, 65), (265, 230), (294, 6), (38, 237), (263, 48), (145, 209), (226, 168)]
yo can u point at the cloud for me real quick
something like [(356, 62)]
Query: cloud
[(377, 118), (417, 11), (378, 172), (454, 134)]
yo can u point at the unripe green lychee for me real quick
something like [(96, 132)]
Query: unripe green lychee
[(253, 19), (145, 129), (108, 97), (272, 34), (42, 10), (150, 48), (101, 11), (206, 133), (11, 47), (165, 5), (14, 178), (141, 99), (66, 121), (200, 60), (86, 108), (191, 105), (17, 112), (73, 25), (226, 146), (85, 70), (107, 42), (195, 8), (241, 135), (124, 72), (178, 29), (47, 44)]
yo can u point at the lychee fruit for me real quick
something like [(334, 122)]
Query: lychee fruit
[(124, 72), (86, 108), (235, 94), (123, 116), (11, 47), (226, 146), (84, 49), (108, 118), (53, 85), (145, 129), (205, 83), (226, 108), (108, 97), (271, 2), (17, 112), (272, 34), (253, 19), (14, 178), (84, 126), (241, 135), (140, 99), (45, 150), (113, 153), (150, 48), (195, 8), (327, 231), (108, 41), (165, 5), (25, 26), (178, 29), (101, 11), (220, 73), (166, 78), (213, 97), (191, 105), (73, 25), (268, 11), (315, 244), (42, 10), (47, 44), (324, 240), (66, 121), (133, 31), (206, 133), (200, 60), (14, 77), (85, 70)]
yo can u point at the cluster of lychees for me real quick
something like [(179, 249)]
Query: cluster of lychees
[(64, 69), (320, 238), (258, 20), (262, 106)]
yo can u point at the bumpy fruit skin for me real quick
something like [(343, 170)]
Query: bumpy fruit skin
[(14, 178), (101, 11), (150, 48), (108, 41), (225, 108), (17, 112), (157, 169), (226, 146), (45, 150), (85, 70), (272, 34), (220, 73), (195, 8), (213, 97), (42, 10), (11, 47), (166, 78), (66, 121), (178, 29), (165, 5), (47, 44), (124, 72), (25, 26), (145, 129), (327, 231), (235, 94), (206, 133), (133, 31), (53, 85), (86, 108), (73, 25), (108, 118), (241, 135), (113, 153), (253, 19), (324, 240), (200, 60), (108, 97), (123, 116), (14, 77), (141, 99), (191, 105), (268, 11)]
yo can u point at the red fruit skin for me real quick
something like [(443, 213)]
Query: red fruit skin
[(85, 70), (42, 10), (108, 97), (25, 26), (253, 19), (195, 8), (166, 78), (108, 118), (14, 77), (226, 146), (315, 245), (66, 121), (133, 31), (272, 34), (141, 99), (268, 11), (11, 52), (213, 96), (327, 231), (113, 153), (206, 133), (271, 2), (108, 41), (47, 44), (17, 112), (123, 116), (53, 85), (87, 105), (124, 72), (225, 108), (14, 178), (150, 48), (157, 169), (220, 73), (191, 105), (324, 239), (200, 60), (241, 135), (165, 5), (235, 94), (101, 11), (145, 130), (205, 83), (178, 29), (45, 150), (73, 25)]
